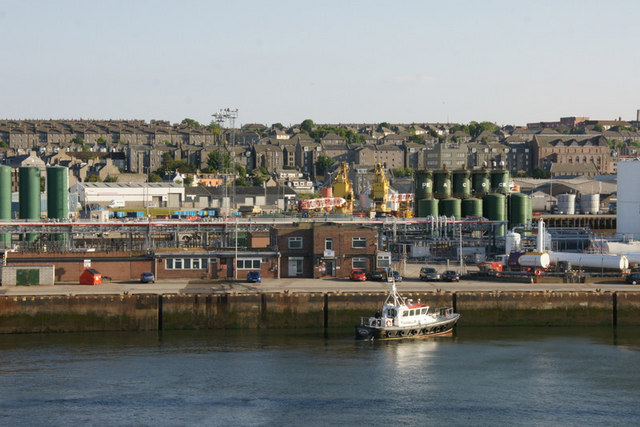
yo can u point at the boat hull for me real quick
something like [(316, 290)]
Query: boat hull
[(441, 327)]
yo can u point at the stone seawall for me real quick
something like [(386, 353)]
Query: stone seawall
[(304, 310)]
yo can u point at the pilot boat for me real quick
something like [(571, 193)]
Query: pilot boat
[(403, 318)]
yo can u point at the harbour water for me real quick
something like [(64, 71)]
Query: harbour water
[(478, 376)]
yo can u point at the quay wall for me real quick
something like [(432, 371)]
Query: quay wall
[(34, 314)]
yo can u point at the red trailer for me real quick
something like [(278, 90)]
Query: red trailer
[(91, 276)]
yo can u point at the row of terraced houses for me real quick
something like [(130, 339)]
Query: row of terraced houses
[(576, 145)]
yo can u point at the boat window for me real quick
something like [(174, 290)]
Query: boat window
[(424, 310), (405, 313)]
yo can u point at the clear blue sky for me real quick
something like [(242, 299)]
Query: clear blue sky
[(509, 62)]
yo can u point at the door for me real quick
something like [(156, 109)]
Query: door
[(293, 268), (330, 267)]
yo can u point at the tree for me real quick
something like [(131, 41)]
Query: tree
[(92, 178), (240, 170), (154, 177), (418, 139), (402, 172), (307, 125), (191, 122), (539, 173), (4, 144), (111, 179), (258, 181), (322, 164), (188, 180), (383, 125), (598, 128), (219, 161), (77, 140), (277, 126), (241, 182), (101, 141)]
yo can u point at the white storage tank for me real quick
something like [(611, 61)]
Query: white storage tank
[(628, 204), (534, 259), (513, 242), (567, 204), (590, 203), (594, 261)]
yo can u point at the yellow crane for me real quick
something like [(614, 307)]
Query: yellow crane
[(380, 192), (342, 187)]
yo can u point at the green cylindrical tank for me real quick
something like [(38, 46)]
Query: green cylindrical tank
[(427, 207), (58, 192), (442, 184), (451, 207), (500, 181), (494, 207), (480, 182), (5, 203), (529, 211), (423, 188), (29, 196), (517, 205), (472, 207), (462, 183)]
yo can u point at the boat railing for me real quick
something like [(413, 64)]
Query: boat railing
[(444, 311)]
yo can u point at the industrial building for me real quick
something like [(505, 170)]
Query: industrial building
[(153, 194)]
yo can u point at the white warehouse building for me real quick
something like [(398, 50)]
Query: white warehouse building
[(628, 216), (114, 194)]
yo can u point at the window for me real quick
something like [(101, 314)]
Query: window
[(169, 264), (328, 244), (177, 263), (186, 263), (248, 263), (295, 242), (359, 242), (359, 263), (384, 260)]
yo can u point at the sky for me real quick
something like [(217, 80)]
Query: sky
[(507, 62)]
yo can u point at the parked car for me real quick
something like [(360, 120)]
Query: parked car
[(450, 276), (358, 275), (396, 276), (633, 278), (147, 277), (254, 277), (429, 273), (374, 275)]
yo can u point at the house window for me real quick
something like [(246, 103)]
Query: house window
[(295, 242), (384, 260), (359, 242), (248, 263), (328, 244), (359, 263)]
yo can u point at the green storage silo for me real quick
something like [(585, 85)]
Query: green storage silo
[(58, 196), (461, 183), (29, 196), (500, 181), (480, 182), (58, 192), (423, 183), (494, 208), (517, 207), (427, 207), (472, 207), (451, 207), (5, 203), (442, 184)]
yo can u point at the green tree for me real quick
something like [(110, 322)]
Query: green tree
[(258, 181), (322, 164), (191, 122), (241, 182), (111, 179), (101, 141), (92, 178), (402, 172), (383, 125), (188, 180), (240, 170), (219, 161), (307, 125), (418, 139), (539, 173), (4, 144), (77, 140), (277, 126), (154, 177), (598, 128)]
